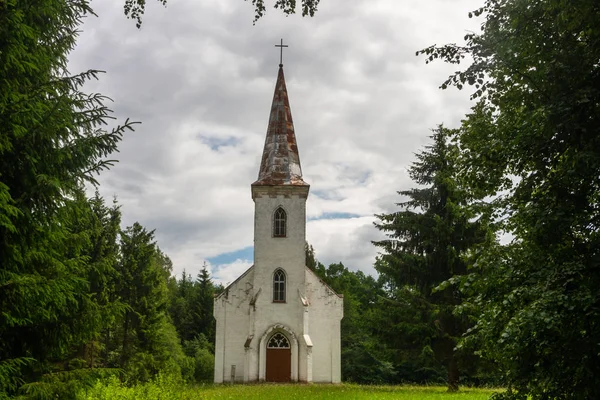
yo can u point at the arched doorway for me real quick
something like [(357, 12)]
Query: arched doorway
[(279, 359)]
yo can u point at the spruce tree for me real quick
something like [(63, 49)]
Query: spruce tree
[(53, 140), (427, 240), (204, 304), (142, 286)]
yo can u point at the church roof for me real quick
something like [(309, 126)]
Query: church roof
[(280, 164)]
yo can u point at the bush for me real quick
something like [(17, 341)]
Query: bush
[(200, 350), (164, 387)]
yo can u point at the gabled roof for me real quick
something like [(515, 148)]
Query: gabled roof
[(280, 164), (226, 290), (323, 282)]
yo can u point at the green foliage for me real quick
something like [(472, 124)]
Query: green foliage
[(532, 144), (191, 310), (191, 306), (310, 258), (365, 358), (135, 9), (10, 375), (201, 352), (164, 387), (65, 384), (53, 141), (147, 341), (168, 388), (78, 297), (309, 7), (428, 240)]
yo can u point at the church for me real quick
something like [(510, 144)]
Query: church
[(278, 322)]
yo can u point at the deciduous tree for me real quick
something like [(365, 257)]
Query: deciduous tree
[(532, 143), (135, 9)]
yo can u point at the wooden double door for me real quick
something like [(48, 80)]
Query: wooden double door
[(279, 359)]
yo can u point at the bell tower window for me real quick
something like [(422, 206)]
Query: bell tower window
[(279, 223), (279, 286)]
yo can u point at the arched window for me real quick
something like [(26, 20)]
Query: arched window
[(279, 223), (279, 286), (278, 341)]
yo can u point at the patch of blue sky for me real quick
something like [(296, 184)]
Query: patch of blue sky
[(215, 143), (247, 253), (335, 215)]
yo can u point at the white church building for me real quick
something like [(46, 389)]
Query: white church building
[(278, 322)]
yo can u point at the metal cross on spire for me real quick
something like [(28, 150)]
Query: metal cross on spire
[(281, 46)]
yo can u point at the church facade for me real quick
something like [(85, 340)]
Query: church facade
[(278, 321)]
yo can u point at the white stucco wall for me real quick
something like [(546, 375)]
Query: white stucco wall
[(231, 313), (326, 313), (287, 252)]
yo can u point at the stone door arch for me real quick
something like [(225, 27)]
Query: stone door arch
[(279, 357)]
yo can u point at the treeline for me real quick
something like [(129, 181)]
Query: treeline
[(91, 299), (390, 341), (80, 296)]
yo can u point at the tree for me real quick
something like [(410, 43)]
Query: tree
[(148, 341), (427, 241), (191, 306), (310, 259), (181, 292), (135, 9), (53, 141), (191, 310), (203, 305), (532, 144)]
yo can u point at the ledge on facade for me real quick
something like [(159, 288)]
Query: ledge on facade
[(308, 341), (260, 189), (280, 181)]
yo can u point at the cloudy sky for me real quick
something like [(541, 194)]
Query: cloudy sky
[(200, 77)]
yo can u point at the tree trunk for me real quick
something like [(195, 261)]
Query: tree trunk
[(125, 348), (453, 373)]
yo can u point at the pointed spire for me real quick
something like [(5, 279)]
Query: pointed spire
[(280, 164)]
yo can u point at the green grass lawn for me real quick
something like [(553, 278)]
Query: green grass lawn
[(344, 391), (168, 390)]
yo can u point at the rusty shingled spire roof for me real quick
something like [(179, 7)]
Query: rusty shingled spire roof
[(280, 164)]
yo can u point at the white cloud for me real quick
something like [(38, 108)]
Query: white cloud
[(200, 77), (225, 274)]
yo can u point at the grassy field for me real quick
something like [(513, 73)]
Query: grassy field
[(167, 390), (340, 392)]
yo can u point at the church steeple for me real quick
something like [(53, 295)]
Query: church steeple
[(278, 320), (280, 164)]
